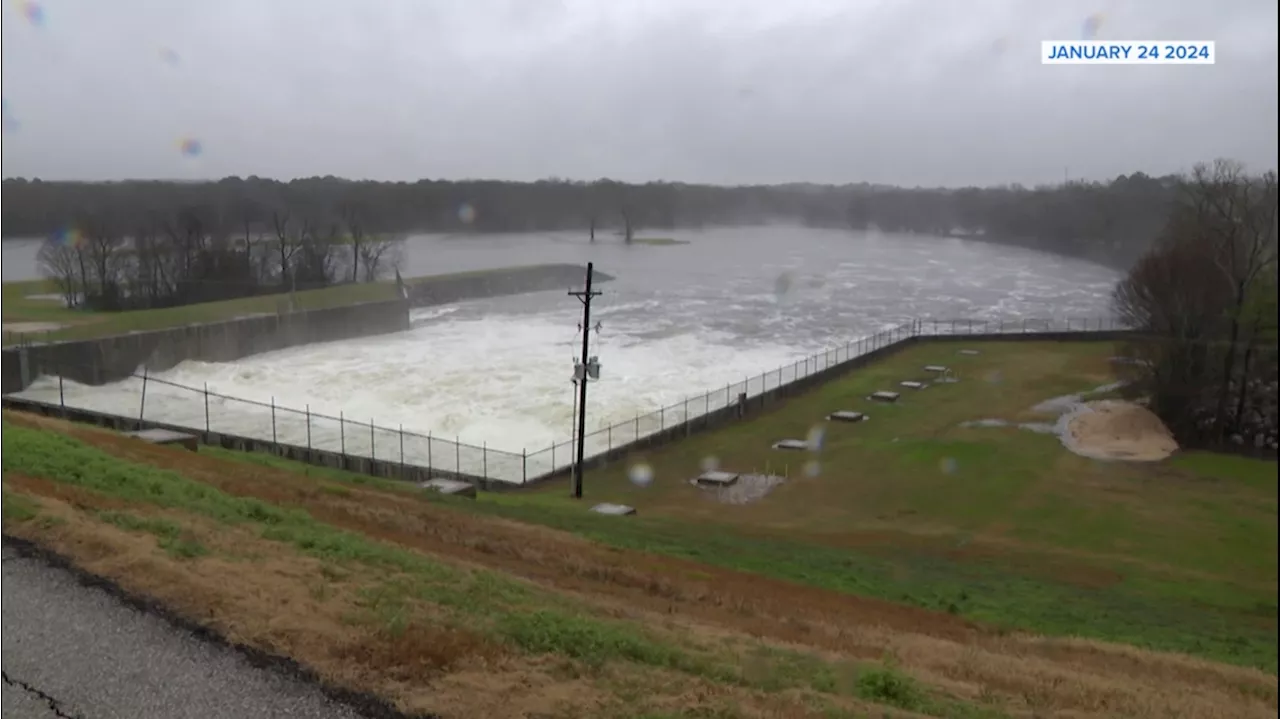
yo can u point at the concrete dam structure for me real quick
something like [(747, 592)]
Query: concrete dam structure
[(110, 359), (446, 289), (103, 360)]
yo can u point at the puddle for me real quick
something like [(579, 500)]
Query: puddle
[(1067, 402), (1065, 408), (1041, 427), (749, 488)]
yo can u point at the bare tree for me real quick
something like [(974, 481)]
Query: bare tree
[(351, 219), (288, 241), (1236, 215), (62, 261), (1204, 296), (374, 249)]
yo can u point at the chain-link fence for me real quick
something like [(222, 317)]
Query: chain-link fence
[(155, 400), (561, 455)]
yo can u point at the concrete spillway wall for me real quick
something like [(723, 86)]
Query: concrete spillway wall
[(110, 359), (446, 289)]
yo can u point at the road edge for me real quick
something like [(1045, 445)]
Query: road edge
[(366, 704)]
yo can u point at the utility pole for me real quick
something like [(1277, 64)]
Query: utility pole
[(587, 368)]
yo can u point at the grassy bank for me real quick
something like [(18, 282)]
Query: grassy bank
[(1002, 526), (36, 301), (924, 568)]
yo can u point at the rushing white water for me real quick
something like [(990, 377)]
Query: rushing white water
[(679, 320)]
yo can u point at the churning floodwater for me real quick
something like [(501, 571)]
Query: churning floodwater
[(676, 321)]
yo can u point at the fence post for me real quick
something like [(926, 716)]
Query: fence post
[(553, 456), (429, 465), (402, 450), (273, 420), (609, 447), (142, 406), (206, 408), (484, 459), (62, 400), (308, 429), (342, 433), (726, 394), (457, 454), (372, 454), (637, 425), (524, 465), (662, 419)]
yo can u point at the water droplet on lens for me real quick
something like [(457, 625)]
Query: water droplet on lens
[(467, 214), (190, 147), (710, 463), (813, 441), (640, 474), (948, 465), (812, 468)]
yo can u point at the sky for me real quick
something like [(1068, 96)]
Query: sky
[(904, 92)]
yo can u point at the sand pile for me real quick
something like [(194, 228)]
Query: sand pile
[(1111, 429)]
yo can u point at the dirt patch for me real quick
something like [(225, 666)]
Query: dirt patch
[(1113, 429)]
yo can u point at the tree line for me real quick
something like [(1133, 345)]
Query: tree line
[(1205, 297), (1110, 222)]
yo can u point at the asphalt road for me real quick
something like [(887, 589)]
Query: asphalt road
[(73, 651)]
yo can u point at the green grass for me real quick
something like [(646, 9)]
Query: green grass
[(18, 508), (172, 538), (1178, 555), (533, 620), (79, 324)]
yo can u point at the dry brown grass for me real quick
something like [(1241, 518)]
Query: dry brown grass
[(443, 668)]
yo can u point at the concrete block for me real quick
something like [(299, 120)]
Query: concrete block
[(167, 436), (716, 478), (884, 396), (911, 384), (791, 444), (969, 353), (616, 510), (846, 415), (935, 368), (453, 487)]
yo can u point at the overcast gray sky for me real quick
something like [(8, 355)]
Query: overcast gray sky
[(911, 92)]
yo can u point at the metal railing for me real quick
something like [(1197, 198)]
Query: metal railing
[(150, 399)]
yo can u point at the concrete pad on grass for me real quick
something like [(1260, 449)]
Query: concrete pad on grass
[(883, 396), (452, 487), (792, 444), (911, 384), (716, 478), (846, 415), (614, 510), (167, 436)]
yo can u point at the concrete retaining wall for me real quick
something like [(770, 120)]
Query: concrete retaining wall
[(110, 359), (319, 457), (512, 281)]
